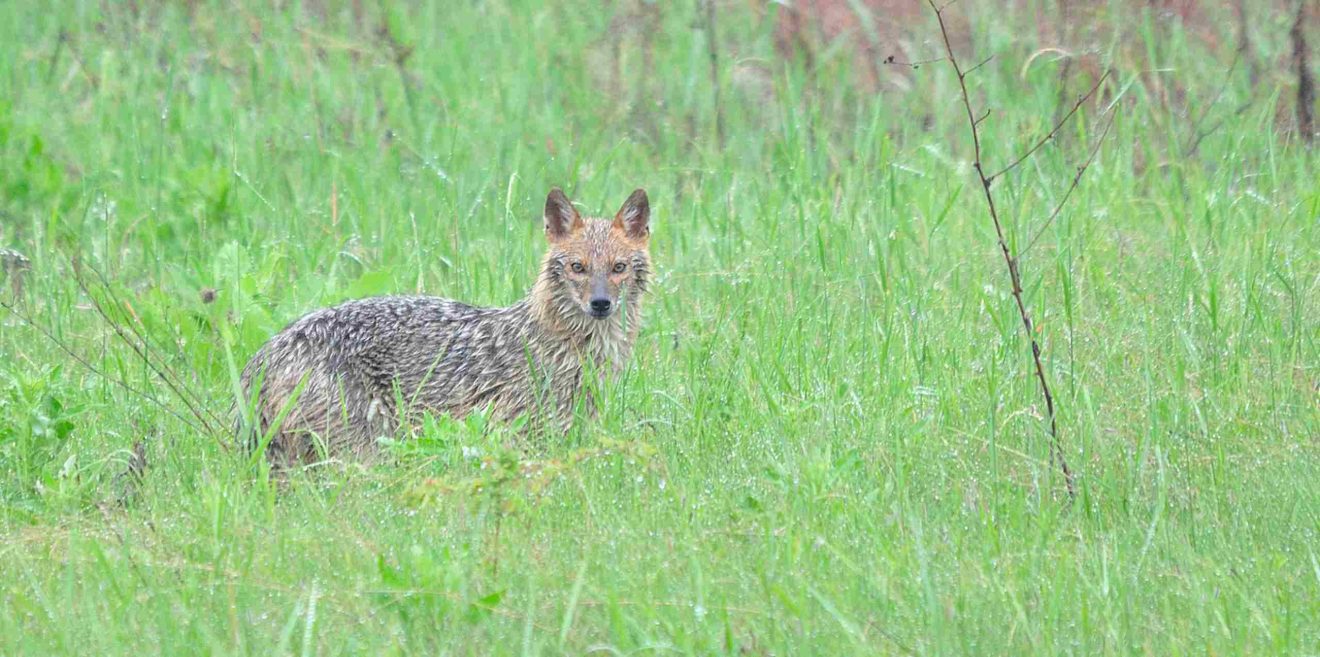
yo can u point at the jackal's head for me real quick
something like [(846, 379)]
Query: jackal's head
[(595, 265)]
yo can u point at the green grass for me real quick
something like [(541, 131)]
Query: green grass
[(829, 442)]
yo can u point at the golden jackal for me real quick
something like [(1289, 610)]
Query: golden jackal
[(366, 366)]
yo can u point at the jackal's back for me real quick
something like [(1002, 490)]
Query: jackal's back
[(368, 363)]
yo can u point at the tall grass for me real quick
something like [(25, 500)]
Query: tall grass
[(829, 441)]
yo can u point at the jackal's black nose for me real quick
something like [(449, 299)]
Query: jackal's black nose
[(600, 307)]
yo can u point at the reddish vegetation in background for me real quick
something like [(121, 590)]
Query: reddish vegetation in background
[(882, 29), (1077, 31)]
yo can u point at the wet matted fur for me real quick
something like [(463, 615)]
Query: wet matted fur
[(345, 376)]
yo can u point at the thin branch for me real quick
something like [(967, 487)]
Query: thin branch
[(892, 61), (1077, 179), (60, 40), (983, 62), (1015, 277), (1054, 131), (1197, 133), (177, 388), (1305, 83), (78, 59), (714, 48), (137, 328), (1244, 44), (1219, 123), (133, 323), (63, 346)]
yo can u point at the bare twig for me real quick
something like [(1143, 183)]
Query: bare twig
[(1305, 83), (195, 407), (144, 341), (1241, 52), (60, 40), (892, 61), (1197, 133), (133, 324), (78, 358), (1077, 179), (979, 64), (1054, 131), (94, 81), (1219, 123), (1015, 276), (714, 48), (1244, 39)]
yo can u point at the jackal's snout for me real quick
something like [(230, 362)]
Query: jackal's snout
[(600, 303)]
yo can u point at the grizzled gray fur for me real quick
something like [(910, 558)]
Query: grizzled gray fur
[(368, 366)]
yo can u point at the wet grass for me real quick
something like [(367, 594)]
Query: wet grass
[(829, 442)]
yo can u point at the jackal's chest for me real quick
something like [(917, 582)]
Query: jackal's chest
[(568, 363)]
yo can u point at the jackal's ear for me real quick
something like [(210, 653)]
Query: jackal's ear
[(634, 218), (561, 218)]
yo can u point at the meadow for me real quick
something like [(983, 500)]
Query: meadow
[(830, 440)]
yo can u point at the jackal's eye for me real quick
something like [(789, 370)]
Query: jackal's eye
[(577, 268), (619, 267)]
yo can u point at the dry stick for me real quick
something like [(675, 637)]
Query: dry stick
[(1242, 52), (1219, 123), (55, 56), (1056, 448), (147, 346), (983, 62), (912, 65), (714, 70), (1077, 179), (1244, 42), (1305, 83), (1044, 140), (63, 346), (1197, 134), (82, 67), (188, 401)]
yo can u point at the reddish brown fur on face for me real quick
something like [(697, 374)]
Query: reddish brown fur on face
[(600, 249), (597, 259)]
